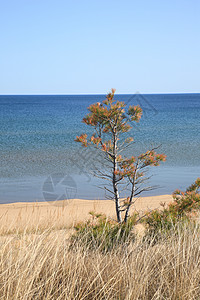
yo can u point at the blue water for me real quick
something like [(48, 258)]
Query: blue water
[(37, 140)]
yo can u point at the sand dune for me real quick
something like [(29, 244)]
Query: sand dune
[(60, 214)]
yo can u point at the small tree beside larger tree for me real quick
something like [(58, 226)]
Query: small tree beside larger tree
[(110, 124)]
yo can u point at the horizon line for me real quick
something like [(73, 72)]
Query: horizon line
[(93, 94)]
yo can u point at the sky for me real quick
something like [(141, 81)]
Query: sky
[(89, 47)]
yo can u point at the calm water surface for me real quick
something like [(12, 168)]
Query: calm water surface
[(39, 158)]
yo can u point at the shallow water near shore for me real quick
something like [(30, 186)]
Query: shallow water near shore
[(37, 141), (31, 189)]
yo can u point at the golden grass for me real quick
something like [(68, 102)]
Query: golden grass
[(36, 261), (42, 266)]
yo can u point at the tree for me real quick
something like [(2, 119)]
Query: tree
[(110, 124)]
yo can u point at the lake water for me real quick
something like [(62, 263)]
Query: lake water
[(39, 159)]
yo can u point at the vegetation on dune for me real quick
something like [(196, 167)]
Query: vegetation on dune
[(184, 208), (104, 234)]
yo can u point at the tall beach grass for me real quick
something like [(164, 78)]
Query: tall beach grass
[(43, 265)]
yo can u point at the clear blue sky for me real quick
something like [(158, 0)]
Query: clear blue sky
[(75, 47)]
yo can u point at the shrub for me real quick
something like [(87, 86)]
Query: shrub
[(183, 209), (104, 234)]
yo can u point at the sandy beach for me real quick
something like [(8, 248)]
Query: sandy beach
[(60, 214)]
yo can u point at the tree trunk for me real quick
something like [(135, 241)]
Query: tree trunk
[(132, 195), (126, 214), (115, 187), (117, 204)]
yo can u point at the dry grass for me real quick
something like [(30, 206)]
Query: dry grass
[(43, 266)]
